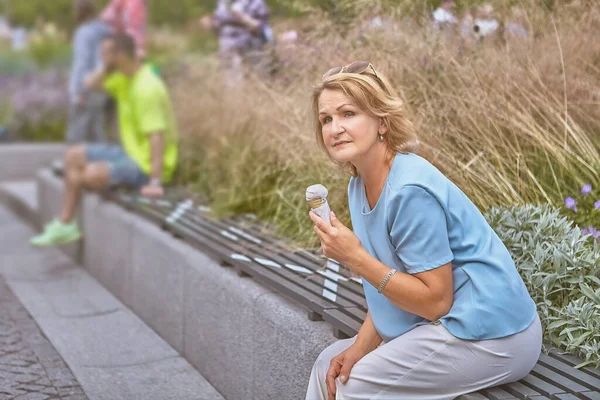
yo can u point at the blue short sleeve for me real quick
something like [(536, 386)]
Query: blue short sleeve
[(418, 229)]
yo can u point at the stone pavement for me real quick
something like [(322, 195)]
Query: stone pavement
[(30, 367)]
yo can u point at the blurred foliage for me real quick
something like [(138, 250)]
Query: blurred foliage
[(162, 12), (49, 47), (45, 131), (168, 12), (15, 62)]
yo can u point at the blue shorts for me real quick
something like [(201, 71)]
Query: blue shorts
[(123, 170)]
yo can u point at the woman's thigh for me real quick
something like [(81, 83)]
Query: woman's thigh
[(429, 363)]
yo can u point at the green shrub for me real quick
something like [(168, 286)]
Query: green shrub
[(47, 51), (561, 269)]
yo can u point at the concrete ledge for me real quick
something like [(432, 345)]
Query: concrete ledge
[(158, 267), (109, 261), (21, 161)]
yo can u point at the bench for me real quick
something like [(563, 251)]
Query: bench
[(325, 288)]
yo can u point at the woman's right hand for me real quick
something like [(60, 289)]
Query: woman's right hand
[(341, 365)]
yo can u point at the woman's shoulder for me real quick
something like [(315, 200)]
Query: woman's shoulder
[(410, 170)]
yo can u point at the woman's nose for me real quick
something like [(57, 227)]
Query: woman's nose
[(336, 127)]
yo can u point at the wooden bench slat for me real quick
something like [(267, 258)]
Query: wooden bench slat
[(342, 321), (573, 361), (567, 396), (595, 395), (519, 390), (557, 365), (497, 393), (548, 375), (541, 386), (473, 396)]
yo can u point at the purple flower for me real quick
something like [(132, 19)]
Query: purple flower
[(597, 205), (570, 203), (585, 231), (587, 189)]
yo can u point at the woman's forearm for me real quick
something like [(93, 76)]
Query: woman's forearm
[(404, 290), (367, 337)]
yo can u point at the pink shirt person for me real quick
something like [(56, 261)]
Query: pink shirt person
[(130, 16)]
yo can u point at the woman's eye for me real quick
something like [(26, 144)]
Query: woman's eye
[(326, 120), (348, 114)]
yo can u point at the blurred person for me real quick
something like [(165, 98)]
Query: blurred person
[(443, 17), (19, 36), (515, 28), (86, 109), (485, 24), (448, 313), (466, 24), (5, 31), (468, 35), (131, 17), (243, 30), (375, 20), (147, 155)]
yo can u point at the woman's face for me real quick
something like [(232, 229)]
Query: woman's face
[(348, 132)]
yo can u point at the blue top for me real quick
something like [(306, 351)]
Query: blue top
[(86, 54), (423, 221)]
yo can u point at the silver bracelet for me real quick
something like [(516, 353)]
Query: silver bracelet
[(386, 280)]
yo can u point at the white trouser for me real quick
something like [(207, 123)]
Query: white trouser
[(429, 363)]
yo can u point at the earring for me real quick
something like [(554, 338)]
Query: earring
[(380, 137)]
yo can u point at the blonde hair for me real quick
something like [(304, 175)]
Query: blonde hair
[(375, 95)]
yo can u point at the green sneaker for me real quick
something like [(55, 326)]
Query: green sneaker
[(55, 233)]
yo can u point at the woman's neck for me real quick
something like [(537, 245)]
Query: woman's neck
[(374, 170)]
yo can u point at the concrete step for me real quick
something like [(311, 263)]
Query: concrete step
[(21, 197), (110, 351)]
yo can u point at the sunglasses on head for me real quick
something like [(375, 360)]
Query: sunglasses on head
[(357, 67)]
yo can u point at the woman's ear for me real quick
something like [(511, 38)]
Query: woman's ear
[(383, 126)]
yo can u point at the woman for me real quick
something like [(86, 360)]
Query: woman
[(86, 110), (448, 312)]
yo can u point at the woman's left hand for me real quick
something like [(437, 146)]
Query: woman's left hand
[(337, 241)]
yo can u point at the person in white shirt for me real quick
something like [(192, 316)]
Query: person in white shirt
[(443, 16), (486, 25)]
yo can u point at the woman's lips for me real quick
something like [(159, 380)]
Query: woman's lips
[(338, 144)]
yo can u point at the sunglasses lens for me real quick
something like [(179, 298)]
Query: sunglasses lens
[(358, 67), (332, 71)]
